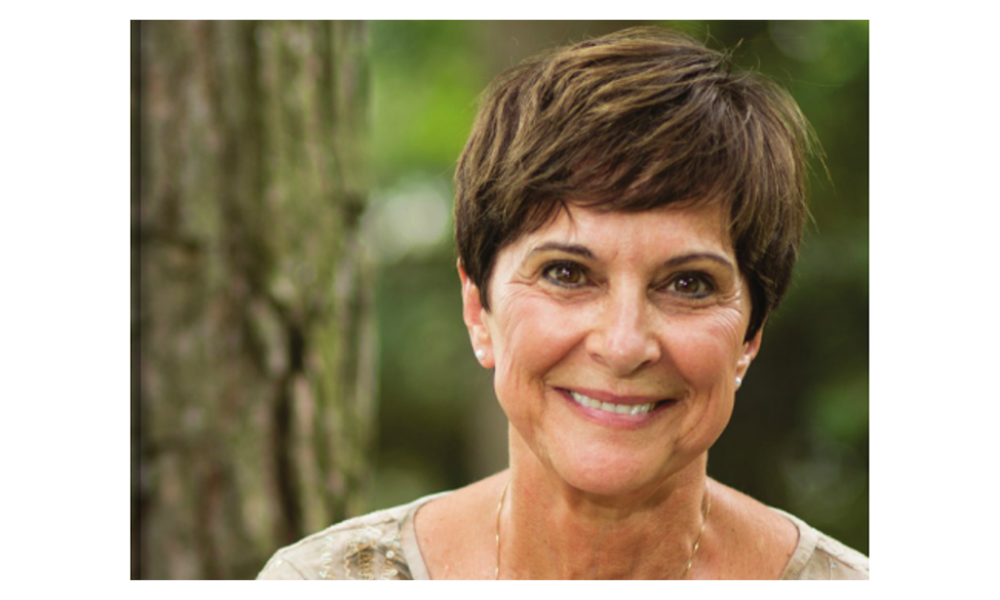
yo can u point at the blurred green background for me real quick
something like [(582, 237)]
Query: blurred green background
[(799, 436)]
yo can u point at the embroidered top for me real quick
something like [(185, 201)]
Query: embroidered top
[(383, 545)]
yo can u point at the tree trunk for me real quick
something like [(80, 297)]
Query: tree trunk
[(256, 353)]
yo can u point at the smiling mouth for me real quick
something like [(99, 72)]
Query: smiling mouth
[(610, 407)]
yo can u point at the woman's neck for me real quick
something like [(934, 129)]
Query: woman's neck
[(550, 530)]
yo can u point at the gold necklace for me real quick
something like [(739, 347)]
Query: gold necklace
[(694, 550), (503, 494)]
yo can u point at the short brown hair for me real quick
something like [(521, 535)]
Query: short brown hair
[(628, 122)]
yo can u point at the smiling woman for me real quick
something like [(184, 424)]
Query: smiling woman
[(628, 213), (642, 317)]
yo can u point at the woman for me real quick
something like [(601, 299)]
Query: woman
[(628, 212)]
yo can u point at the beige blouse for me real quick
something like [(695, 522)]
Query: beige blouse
[(383, 545)]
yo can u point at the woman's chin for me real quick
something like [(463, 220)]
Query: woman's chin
[(605, 463), (611, 478)]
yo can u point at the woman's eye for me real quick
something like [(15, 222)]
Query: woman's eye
[(565, 274), (691, 284)]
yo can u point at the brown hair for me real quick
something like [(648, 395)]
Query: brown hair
[(628, 122)]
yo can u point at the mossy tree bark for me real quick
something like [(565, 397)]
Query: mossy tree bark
[(255, 328)]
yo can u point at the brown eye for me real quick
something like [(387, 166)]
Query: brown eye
[(691, 284), (565, 274)]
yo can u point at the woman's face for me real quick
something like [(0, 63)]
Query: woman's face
[(616, 340)]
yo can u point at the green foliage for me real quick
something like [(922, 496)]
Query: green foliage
[(425, 82)]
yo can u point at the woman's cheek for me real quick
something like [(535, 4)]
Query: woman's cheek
[(718, 339)]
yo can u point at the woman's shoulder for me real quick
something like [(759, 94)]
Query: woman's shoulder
[(379, 545), (819, 556), (771, 543)]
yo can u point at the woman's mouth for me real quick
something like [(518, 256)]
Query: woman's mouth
[(621, 409), (605, 406)]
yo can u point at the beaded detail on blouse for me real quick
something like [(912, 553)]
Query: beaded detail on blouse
[(374, 546)]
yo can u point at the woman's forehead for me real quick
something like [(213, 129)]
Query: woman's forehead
[(702, 225)]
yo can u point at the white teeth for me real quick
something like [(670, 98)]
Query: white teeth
[(621, 409)]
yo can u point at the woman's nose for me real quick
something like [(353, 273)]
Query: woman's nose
[(623, 338)]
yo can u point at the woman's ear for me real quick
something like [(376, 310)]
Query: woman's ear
[(750, 349), (474, 316)]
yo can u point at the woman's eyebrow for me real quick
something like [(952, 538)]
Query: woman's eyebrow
[(575, 249), (686, 258), (585, 252)]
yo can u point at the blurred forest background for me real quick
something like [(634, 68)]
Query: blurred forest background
[(369, 395)]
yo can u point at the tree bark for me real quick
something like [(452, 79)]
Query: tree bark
[(255, 318)]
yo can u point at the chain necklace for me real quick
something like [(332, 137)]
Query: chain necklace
[(694, 550), (503, 494)]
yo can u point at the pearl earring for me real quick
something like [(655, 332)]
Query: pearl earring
[(480, 353), (739, 381)]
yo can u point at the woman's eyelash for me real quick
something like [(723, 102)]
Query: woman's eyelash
[(692, 284), (565, 274), (688, 284)]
